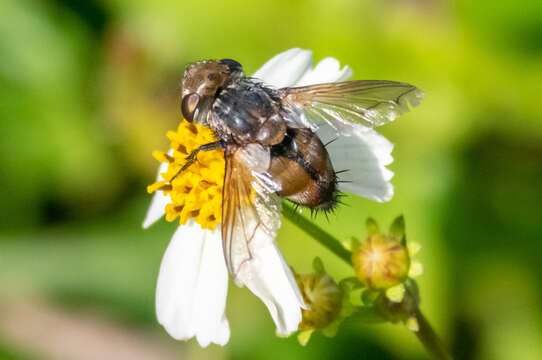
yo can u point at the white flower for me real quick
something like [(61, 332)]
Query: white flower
[(193, 279)]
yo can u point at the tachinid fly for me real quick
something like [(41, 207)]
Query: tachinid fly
[(271, 141)]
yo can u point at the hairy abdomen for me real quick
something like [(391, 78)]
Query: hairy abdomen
[(302, 166)]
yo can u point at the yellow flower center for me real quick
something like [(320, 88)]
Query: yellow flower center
[(380, 262), (195, 192)]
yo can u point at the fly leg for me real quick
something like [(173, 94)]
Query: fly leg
[(193, 156)]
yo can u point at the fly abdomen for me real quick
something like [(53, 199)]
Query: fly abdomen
[(301, 164)]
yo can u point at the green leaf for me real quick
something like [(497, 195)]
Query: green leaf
[(397, 230), (349, 284), (352, 244), (368, 297), (372, 227), (318, 265)]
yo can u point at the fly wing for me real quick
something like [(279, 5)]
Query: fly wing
[(251, 209), (346, 113), (367, 102)]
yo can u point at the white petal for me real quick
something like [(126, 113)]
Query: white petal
[(327, 70), (364, 154), (285, 68), (210, 295), (159, 200), (192, 286), (268, 276)]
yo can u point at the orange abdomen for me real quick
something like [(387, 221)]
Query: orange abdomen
[(302, 166)]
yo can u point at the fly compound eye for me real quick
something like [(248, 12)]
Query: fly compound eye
[(189, 106)]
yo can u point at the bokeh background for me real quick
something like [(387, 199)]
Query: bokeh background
[(89, 88)]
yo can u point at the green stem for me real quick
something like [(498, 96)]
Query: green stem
[(323, 237), (429, 338)]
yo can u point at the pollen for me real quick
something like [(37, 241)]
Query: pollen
[(195, 192)]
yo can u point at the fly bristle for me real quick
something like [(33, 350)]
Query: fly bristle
[(340, 196), (338, 180), (330, 141), (295, 209), (328, 208), (328, 201)]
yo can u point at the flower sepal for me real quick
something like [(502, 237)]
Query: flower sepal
[(395, 311)]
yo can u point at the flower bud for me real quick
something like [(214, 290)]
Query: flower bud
[(393, 310), (323, 297), (380, 262)]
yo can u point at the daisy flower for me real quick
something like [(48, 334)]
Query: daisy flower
[(193, 279)]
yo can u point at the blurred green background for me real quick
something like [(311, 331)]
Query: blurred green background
[(89, 88)]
